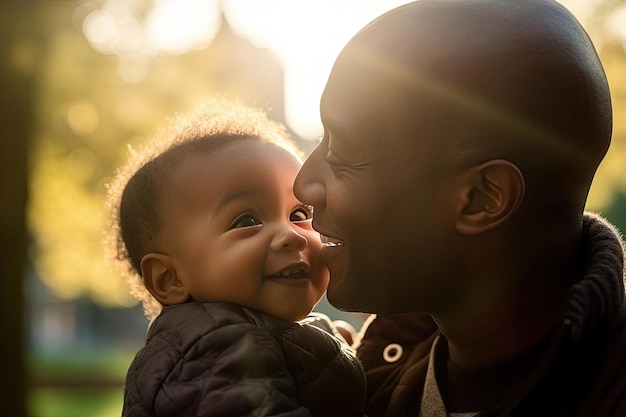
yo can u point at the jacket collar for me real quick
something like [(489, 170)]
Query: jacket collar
[(597, 297)]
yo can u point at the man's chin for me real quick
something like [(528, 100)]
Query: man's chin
[(342, 295)]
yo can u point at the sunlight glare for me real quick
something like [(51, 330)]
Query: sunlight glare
[(137, 31), (617, 23), (177, 26), (307, 37), (100, 29)]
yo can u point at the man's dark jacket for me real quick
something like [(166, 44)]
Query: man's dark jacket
[(583, 374)]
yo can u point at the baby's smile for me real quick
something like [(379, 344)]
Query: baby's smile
[(299, 270)]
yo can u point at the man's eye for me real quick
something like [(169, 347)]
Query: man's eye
[(333, 160), (301, 214), (245, 221)]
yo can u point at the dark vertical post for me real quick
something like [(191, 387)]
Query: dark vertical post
[(19, 52)]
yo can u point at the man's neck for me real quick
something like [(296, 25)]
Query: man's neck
[(502, 330)]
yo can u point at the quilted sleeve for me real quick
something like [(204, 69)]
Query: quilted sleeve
[(329, 377)]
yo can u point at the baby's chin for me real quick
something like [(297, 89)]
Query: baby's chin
[(293, 316)]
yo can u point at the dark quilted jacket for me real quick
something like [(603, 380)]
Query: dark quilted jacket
[(219, 359)]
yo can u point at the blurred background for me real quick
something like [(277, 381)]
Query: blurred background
[(82, 80)]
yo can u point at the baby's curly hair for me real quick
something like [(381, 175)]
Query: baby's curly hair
[(134, 196)]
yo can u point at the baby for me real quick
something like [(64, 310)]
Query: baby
[(225, 261)]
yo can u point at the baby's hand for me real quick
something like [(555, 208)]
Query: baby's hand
[(346, 330), (339, 328)]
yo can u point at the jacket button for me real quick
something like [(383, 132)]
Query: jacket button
[(392, 353)]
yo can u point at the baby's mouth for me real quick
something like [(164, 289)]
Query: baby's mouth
[(299, 271), (330, 241)]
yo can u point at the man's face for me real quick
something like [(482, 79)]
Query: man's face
[(381, 195), (236, 233)]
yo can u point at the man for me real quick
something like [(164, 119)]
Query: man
[(460, 141)]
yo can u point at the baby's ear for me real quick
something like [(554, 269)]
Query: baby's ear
[(491, 193), (160, 278)]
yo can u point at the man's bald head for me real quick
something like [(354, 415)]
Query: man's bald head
[(516, 79)]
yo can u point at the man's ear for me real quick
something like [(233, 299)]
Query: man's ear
[(491, 193), (160, 278)]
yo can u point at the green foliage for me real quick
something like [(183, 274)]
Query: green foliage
[(616, 211)]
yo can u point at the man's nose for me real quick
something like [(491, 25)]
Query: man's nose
[(288, 238), (308, 186)]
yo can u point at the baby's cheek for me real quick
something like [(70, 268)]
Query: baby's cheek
[(323, 277)]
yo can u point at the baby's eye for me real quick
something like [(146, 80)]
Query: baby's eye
[(245, 221), (301, 214)]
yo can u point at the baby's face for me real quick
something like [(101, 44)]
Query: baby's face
[(236, 232)]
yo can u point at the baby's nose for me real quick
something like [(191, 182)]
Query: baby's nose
[(288, 237)]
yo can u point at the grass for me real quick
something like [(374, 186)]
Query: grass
[(61, 402), (78, 384)]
